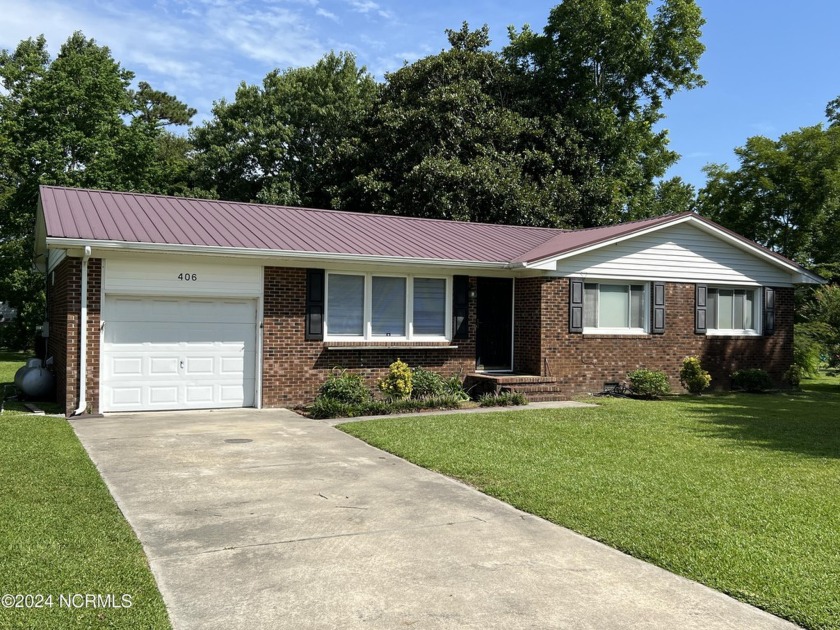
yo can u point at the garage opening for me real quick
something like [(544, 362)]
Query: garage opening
[(161, 353)]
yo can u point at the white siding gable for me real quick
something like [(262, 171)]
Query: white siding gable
[(681, 253)]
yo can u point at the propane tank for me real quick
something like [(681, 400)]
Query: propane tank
[(34, 381)]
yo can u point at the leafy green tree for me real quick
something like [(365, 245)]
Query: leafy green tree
[(72, 121), (785, 194), (605, 67), (292, 140), (444, 141)]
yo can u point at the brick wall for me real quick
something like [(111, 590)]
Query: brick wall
[(527, 325), (583, 363), (64, 290), (294, 368)]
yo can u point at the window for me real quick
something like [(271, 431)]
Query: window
[(430, 306), (380, 307), (614, 307), (345, 296), (733, 311)]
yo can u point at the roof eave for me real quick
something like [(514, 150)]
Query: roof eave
[(237, 252), (805, 276)]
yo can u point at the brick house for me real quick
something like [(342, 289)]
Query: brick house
[(169, 303)]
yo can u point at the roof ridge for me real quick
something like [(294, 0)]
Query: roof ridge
[(622, 223), (555, 231)]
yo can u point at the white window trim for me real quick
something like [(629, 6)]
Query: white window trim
[(590, 330), (367, 309), (758, 314)]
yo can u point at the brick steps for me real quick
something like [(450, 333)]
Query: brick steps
[(534, 388)]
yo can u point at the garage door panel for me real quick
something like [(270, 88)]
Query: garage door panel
[(125, 396), (127, 366), (199, 393), (163, 366), (178, 353), (163, 394), (199, 365)]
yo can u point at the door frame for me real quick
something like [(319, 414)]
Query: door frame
[(512, 328)]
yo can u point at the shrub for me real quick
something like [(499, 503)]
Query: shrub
[(754, 380), (505, 399), (344, 387), (324, 407), (648, 383), (454, 386), (693, 377), (397, 384), (806, 352), (426, 384), (793, 375)]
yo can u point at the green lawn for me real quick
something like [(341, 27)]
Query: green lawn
[(740, 492), (61, 532)]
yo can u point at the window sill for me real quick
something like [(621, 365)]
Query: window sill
[(733, 333), (388, 345), (615, 332)]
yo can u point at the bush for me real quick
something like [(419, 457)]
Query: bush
[(648, 383), (693, 377), (344, 387), (325, 408), (754, 380), (806, 351), (454, 386), (793, 375), (426, 384), (505, 399), (397, 384)]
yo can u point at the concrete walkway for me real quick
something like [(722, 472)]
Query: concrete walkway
[(306, 527)]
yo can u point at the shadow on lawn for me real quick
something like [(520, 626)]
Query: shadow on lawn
[(806, 422)]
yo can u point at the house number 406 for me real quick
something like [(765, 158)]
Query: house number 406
[(187, 277)]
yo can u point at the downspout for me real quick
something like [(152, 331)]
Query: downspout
[(83, 336)]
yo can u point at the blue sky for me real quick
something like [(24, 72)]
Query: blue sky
[(771, 65)]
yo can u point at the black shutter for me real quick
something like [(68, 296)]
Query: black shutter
[(769, 310), (460, 307), (701, 292), (658, 308), (575, 306), (314, 304)]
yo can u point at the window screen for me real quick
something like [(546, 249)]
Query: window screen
[(388, 306), (429, 306)]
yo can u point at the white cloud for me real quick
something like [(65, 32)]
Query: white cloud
[(368, 7), (327, 14)]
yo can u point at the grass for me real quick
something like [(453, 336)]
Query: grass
[(739, 491), (61, 532)]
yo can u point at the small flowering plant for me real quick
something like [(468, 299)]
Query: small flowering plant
[(397, 384)]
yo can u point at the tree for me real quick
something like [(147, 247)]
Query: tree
[(292, 140), (785, 194), (72, 121), (605, 67), (445, 141)]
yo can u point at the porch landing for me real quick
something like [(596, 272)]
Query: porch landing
[(535, 388)]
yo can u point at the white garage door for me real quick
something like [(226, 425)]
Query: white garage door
[(177, 353)]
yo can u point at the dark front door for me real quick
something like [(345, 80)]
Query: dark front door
[(495, 324)]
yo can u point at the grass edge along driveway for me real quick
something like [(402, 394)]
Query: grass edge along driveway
[(739, 492), (62, 535)]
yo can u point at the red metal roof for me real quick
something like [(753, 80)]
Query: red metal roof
[(136, 218), (97, 215)]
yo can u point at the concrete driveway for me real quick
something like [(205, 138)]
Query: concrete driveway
[(303, 526)]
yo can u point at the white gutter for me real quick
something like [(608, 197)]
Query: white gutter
[(83, 337), (242, 252)]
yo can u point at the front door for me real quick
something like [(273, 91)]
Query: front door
[(494, 342)]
